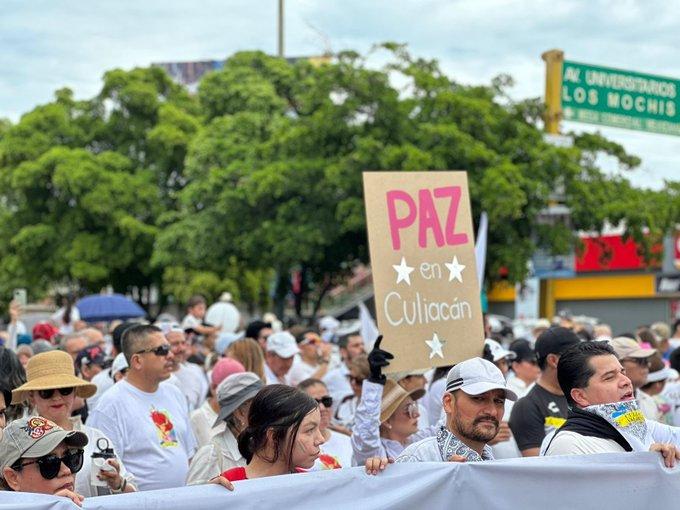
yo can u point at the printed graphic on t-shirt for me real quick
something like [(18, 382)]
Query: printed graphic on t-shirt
[(553, 423), (329, 462), (164, 427)]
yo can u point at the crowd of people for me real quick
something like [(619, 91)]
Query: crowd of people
[(88, 410)]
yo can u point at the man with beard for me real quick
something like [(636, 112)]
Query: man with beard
[(474, 403), (603, 413)]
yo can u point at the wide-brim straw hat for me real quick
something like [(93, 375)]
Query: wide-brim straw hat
[(393, 396), (52, 370)]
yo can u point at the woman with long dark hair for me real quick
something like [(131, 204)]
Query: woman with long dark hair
[(282, 435), (12, 375)]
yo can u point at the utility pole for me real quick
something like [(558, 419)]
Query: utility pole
[(553, 90), (280, 45), (553, 114)]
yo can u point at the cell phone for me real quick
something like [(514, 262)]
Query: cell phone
[(20, 296)]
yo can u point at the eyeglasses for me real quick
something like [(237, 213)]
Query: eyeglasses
[(47, 394), (162, 350), (50, 464), (327, 401), (641, 362), (412, 410)]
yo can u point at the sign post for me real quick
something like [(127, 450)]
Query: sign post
[(422, 258)]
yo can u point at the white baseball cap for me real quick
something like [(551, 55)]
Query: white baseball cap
[(498, 352), (282, 344), (476, 376)]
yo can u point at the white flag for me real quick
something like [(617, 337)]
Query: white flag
[(480, 247), (367, 329)]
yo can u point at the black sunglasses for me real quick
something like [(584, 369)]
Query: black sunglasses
[(47, 394), (327, 401), (161, 350), (50, 464)]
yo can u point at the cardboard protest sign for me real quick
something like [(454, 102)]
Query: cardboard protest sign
[(422, 245)]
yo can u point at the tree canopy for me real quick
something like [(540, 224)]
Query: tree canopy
[(259, 173)]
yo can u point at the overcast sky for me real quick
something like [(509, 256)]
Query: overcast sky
[(48, 44)]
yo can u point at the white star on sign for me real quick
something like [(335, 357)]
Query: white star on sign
[(403, 272), (435, 346), (455, 270)]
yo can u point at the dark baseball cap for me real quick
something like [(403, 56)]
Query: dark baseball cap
[(93, 355), (523, 351), (554, 341)]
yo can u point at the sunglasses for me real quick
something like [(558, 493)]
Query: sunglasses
[(327, 401), (411, 410), (162, 350), (641, 362), (49, 465), (47, 394)]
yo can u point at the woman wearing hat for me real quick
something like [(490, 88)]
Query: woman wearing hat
[(386, 420), (50, 389), (234, 395), (38, 456)]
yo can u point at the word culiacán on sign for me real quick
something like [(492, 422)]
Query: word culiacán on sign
[(616, 98)]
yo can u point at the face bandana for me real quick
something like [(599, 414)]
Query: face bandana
[(625, 417)]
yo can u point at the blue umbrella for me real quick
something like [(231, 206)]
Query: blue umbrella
[(108, 307)]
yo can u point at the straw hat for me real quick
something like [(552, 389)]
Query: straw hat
[(393, 396), (52, 370)]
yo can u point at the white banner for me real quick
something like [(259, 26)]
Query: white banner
[(606, 481)]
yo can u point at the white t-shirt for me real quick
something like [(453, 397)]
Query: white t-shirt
[(83, 486), (506, 449), (671, 394), (432, 401), (648, 405), (272, 378), (337, 383), (517, 385), (58, 318), (192, 382), (335, 453), (219, 455), (150, 432), (190, 322), (202, 420), (300, 371), (573, 443), (103, 381)]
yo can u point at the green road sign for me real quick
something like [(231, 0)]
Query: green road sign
[(624, 99)]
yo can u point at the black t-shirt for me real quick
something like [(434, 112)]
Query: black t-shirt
[(535, 415)]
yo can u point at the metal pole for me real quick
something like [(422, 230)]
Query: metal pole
[(553, 90), (280, 46)]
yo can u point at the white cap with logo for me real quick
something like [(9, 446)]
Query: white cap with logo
[(476, 376)]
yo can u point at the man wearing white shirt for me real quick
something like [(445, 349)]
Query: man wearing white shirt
[(603, 413), (474, 402), (281, 348), (312, 361), (148, 420), (189, 377), (337, 380)]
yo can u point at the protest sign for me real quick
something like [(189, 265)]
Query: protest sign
[(421, 243)]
